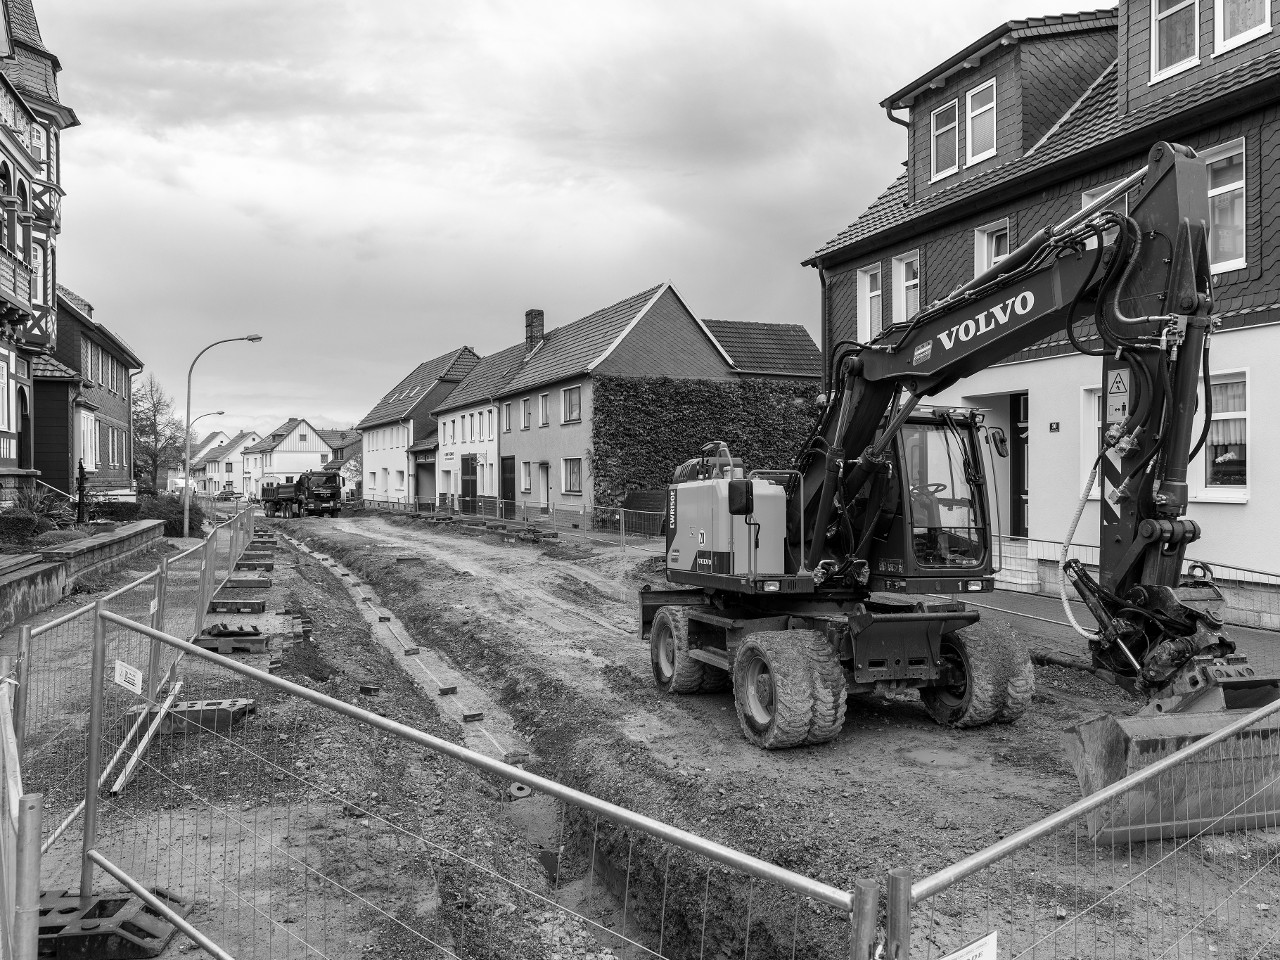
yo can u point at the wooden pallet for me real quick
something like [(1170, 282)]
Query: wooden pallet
[(229, 645), (238, 606)]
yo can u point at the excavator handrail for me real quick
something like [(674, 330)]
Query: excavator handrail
[(935, 883)]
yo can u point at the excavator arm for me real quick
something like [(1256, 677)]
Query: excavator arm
[(1134, 290)]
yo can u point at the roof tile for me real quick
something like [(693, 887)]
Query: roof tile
[(487, 378), (776, 348), (408, 393)]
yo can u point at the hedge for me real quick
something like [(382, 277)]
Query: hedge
[(645, 427), (123, 511), (168, 507)]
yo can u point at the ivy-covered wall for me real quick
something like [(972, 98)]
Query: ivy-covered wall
[(643, 428)]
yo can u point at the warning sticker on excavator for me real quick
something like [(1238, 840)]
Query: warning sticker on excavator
[(984, 949), (1117, 396)]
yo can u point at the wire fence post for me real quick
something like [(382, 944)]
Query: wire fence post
[(157, 623), (622, 530), (20, 695), (862, 922), (898, 922), (26, 900), (93, 752)]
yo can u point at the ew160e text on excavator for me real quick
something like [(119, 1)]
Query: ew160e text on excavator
[(799, 586)]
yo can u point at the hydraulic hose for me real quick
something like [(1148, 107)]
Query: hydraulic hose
[(1075, 301), (1208, 404), (1066, 547)]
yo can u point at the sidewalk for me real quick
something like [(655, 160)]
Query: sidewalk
[(1262, 647)]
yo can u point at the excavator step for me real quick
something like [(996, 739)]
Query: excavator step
[(113, 925)]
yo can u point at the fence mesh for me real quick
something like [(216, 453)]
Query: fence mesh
[(298, 832), (1185, 865)]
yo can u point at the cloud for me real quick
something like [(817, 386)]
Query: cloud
[(369, 184)]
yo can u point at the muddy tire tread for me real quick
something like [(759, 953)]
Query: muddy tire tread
[(793, 689), (986, 684), (1020, 685), (687, 676), (830, 693)]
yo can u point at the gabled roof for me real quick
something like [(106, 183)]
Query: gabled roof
[(83, 311), (1003, 35), (781, 349), (487, 379), (409, 392), (32, 69), (337, 439), (276, 436), (1093, 132), (576, 347), (207, 440), (220, 451)]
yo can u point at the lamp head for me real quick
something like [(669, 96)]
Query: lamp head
[(254, 337)]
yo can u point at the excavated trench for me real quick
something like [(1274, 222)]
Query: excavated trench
[(630, 886)]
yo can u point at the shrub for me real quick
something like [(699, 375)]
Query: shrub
[(18, 525), (52, 506), (119, 510), (168, 507), (52, 538)]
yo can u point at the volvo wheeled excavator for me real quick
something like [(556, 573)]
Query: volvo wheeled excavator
[(799, 586)]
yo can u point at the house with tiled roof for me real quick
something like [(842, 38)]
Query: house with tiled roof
[(401, 423), (1019, 130), (280, 456), (222, 467), (545, 427), (83, 404), (776, 351), (32, 119)]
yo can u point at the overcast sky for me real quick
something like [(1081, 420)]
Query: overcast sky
[(370, 183)]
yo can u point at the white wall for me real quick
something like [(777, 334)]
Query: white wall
[(1235, 522), (457, 441), (386, 457)]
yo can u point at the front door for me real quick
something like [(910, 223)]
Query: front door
[(544, 485), (508, 489), (1018, 463), (467, 499)]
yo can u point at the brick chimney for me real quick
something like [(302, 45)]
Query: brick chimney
[(532, 330)]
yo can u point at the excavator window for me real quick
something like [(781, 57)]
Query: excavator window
[(945, 522)]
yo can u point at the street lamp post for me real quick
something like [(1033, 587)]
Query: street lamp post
[(211, 413), (186, 460)]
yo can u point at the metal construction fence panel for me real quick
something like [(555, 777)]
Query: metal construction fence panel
[(285, 858), (55, 669), (1181, 859), (20, 814)]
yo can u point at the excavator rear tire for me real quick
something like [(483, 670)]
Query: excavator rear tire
[(773, 689), (1020, 684), (830, 692), (976, 699), (673, 670)]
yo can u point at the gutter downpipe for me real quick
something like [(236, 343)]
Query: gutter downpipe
[(888, 112)]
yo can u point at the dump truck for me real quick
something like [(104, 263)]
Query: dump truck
[(846, 572), (314, 492)]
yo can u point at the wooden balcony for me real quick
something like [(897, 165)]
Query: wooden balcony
[(46, 201), (17, 283)]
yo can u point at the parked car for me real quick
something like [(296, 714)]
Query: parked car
[(227, 495)]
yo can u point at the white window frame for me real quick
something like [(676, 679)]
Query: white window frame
[(544, 409), (506, 418), (1200, 491), (526, 476), (564, 404), (5, 406), (526, 413), (982, 258), (934, 173), (1094, 193), (865, 331), (900, 285), (1217, 153), (1221, 45), (968, 123), (87, 440), (564, 476), (1182, 65)]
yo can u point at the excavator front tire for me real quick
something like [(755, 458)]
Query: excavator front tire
[(773, 689), (674, 671), (978, 693), (1020, 684)]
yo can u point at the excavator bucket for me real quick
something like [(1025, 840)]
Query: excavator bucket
[(1229, 786)]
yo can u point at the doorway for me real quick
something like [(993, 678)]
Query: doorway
[(24, 430), (467, 500), (1019, 435), (544, 485), (508, 489)]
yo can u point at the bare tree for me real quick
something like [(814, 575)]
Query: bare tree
[(157, 432)]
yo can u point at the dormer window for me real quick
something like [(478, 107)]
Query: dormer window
[(1239, 21), (946, 151), (1175, 37), (981, 130)]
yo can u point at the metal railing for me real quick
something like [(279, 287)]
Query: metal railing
[(1178, 859), (20, 815)]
